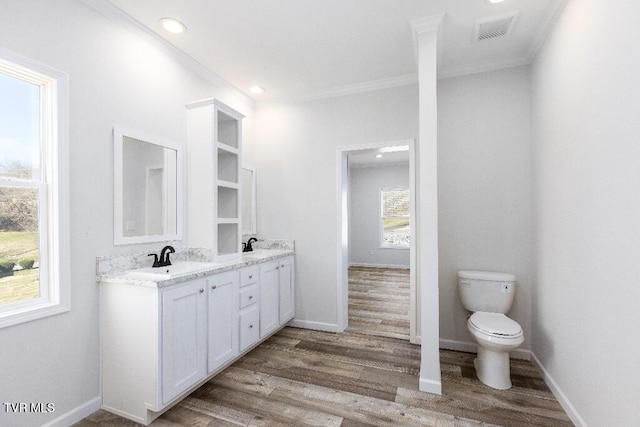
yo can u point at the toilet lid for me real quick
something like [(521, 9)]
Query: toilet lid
[(496, 324)]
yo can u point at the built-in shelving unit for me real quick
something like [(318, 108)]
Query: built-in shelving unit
[(214, 162)]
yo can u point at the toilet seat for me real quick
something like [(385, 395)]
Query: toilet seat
[(495, 325)]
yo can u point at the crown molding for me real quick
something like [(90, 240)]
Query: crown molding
[(109, 10), (449, 72), (547, 23), (426, 25), (354, 89)]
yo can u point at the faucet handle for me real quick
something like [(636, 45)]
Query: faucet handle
[(155, 260)]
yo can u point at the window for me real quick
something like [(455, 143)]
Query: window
[(395, 216), (34, 271)]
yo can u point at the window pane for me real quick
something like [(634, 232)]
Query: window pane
[(19, 128), (396, 231), (19, 254), (395, 203)]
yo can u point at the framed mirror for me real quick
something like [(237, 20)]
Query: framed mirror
[(248, 190), (148, 196)]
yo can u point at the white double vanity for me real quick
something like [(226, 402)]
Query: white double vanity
[(166, 330), (162, 338)]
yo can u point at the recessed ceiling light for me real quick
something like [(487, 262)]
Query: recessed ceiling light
[(378, 155), (257, 89), (173, 26), (495, 1)]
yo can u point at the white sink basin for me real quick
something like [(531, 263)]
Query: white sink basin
[(260, 253), (177, 269)]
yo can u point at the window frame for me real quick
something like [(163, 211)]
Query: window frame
[(382, 218), (53, 190)]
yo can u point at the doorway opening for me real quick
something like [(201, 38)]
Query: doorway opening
[(377, 292)]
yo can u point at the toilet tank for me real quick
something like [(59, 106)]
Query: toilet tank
[(486, 291)]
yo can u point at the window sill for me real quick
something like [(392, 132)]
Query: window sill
[(394, 247), (31, 312)]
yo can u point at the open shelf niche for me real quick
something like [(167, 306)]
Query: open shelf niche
[(214, 159)]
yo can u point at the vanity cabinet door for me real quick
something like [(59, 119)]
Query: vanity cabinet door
[(223, 319), (184, 337), (286, 288), (269, 293)]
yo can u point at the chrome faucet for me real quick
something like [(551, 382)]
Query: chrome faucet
[(164, 260)]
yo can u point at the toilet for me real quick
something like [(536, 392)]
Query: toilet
[(489, 296)]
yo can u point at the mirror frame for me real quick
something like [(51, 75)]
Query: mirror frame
[(118, 167), (253, 229)]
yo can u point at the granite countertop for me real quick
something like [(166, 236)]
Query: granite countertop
[(248, 258)]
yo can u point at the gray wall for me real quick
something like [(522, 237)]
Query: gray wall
[(484, 189), (297, 180), (586, 247), (365, 184), (116, 78)]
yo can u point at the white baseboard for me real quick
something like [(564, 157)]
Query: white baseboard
[(76, 414), (398, 266), (430, 386), (557, 392), (471, 347), (316, 326)]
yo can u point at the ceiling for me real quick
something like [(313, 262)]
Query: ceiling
[(306, 48), (368, 158)]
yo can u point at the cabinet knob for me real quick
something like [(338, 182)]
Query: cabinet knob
[(277, 268), (213, 287), (250, 296), (282, 265), (251, 276), (201, 290), (251, 326)]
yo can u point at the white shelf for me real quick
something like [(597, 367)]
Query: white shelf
[(228, 184), (215, 152), (228, 148), (228, 221)]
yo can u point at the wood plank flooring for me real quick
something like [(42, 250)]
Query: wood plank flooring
[(379, 301), (301, 377), (308, 378)]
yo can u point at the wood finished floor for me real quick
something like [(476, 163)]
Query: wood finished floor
[(379, 301), (301, 377)]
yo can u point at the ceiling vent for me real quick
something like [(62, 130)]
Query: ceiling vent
[(493, 28)]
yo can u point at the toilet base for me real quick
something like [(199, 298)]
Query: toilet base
[(492, 368)]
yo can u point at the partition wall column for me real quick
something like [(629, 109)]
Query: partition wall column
[(426, 38)]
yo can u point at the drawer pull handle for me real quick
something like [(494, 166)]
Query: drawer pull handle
[(201, 290)]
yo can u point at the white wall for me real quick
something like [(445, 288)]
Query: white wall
[(297, 179), (116, 77), (483, 189), (365, 184), (586, 179)]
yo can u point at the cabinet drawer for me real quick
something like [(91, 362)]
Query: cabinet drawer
[(248, 296), (249, 275), (249, 328)]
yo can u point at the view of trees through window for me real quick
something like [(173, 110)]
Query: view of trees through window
[(19, 189), (395, 217)]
